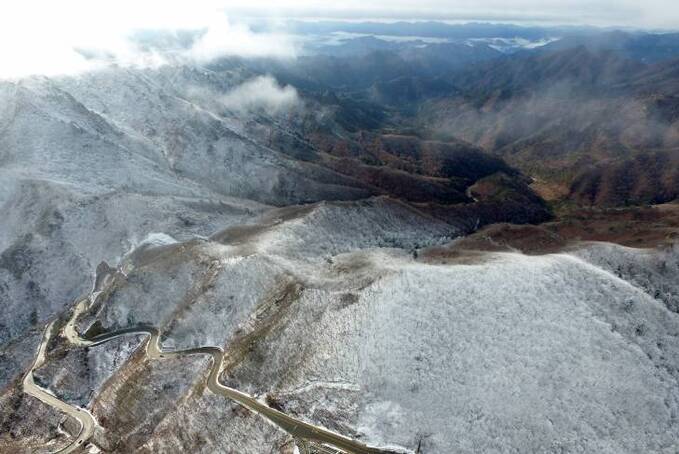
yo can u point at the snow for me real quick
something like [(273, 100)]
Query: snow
[(514, 353), (518, 354), (568, 352), (91, 165)]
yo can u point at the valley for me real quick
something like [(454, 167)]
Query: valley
[(409, 237)]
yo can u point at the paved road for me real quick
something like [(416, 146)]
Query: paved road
[(85, 418), (298, 429)]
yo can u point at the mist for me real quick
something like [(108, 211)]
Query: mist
[(71, 37), (261, 93)]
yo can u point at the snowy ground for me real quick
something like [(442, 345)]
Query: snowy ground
[(323, 308), (517, 354), (512, 353)]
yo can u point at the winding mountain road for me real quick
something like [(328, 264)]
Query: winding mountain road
[(299, 430), (84, 417)]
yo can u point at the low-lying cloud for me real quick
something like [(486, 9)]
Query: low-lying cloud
[(68, 36), (72, 36), (262, 93), (223, 38)]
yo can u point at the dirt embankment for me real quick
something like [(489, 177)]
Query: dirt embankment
[(640, 227)]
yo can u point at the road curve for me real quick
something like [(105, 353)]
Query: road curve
[(299, 430), (84, 417)]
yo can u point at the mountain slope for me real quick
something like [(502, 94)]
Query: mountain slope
[(380, 344), (556, 115), (318, 249), (90, 166)]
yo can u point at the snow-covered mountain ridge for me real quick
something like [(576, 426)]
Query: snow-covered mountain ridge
[(325, 262)]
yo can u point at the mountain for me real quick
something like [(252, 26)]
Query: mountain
[(405, 91), (556, 115), (646, 178), (326, 314), (119, 165), (640, 46), (433, 29), (87, 176), (403, 247), (357, 63), (578, 66)]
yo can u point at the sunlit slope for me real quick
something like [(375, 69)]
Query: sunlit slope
[(499, 352)]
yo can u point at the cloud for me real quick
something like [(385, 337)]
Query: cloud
[(222, 38), (261, 93), (60, 37), (70, 36), (632, 13)]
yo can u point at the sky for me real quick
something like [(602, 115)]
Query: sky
[(628, 13), (45, 36)]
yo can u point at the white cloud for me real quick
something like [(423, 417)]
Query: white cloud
[(44, 36), (633, 13), (40, 36), (224, 38), (261, 93)]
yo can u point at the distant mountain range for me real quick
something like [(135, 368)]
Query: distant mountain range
[(558, 111)]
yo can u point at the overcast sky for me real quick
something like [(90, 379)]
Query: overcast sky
[(39, 36), (629, 13)]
